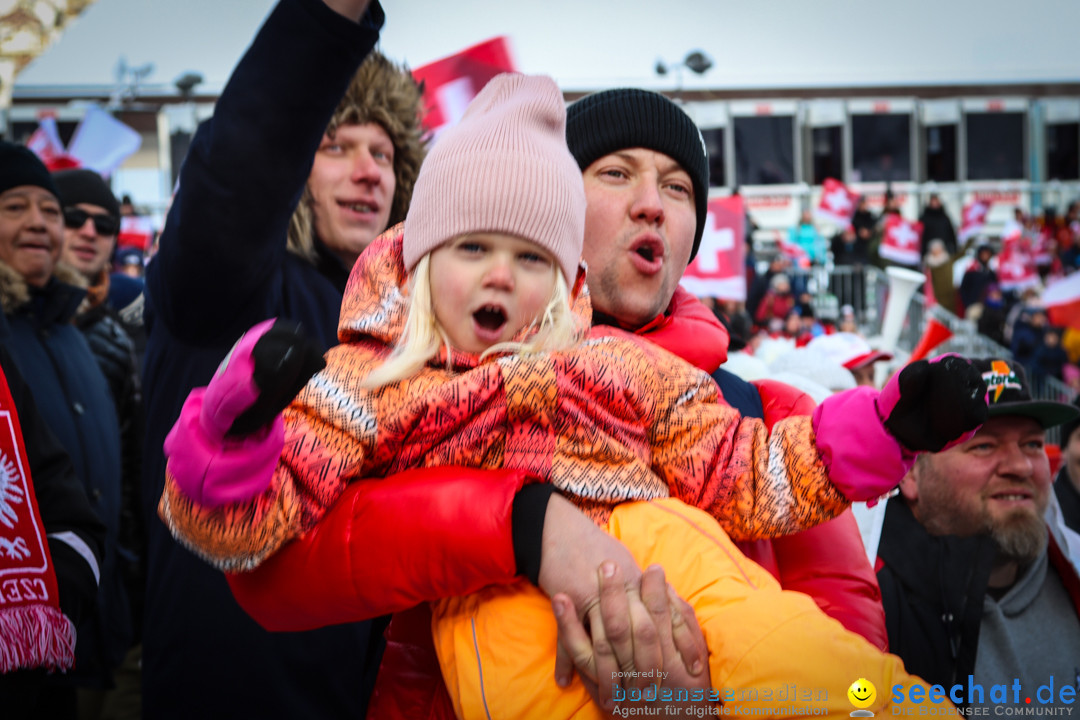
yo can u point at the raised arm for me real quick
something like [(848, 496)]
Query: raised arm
[(247, 166)]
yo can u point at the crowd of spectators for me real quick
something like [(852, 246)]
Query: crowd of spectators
[(268, 222), (962, 279)]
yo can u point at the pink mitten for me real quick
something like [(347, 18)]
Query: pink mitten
[(226, 443)]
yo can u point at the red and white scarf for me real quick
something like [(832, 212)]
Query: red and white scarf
[(33, 631)]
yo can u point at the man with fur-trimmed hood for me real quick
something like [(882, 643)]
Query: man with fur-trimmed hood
[(363, 173), (310, 142)]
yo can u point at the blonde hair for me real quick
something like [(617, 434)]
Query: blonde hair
[(423, 336)]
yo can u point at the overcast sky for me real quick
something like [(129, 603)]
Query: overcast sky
[(586, 44)]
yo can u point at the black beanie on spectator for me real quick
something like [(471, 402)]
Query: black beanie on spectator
[(86, 186), (612, 120), (20, 166)]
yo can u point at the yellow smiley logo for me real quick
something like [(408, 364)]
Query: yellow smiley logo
[(862, 693)]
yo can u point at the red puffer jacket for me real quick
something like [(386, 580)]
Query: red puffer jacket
[(442, 532)]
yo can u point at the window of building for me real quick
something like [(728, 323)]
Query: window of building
[(995, 145), (881, 147), (1063, 151), (764, 150), (939, 142), (714, 144), (826, 154)]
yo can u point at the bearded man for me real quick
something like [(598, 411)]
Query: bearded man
[(978, 589)]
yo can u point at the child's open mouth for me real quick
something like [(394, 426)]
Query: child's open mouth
[(489, 322)]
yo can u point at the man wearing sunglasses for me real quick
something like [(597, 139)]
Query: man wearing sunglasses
[(91, 227), (91, 223), (40, 296)]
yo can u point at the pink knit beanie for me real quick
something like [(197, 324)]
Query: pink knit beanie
[(504, 168)]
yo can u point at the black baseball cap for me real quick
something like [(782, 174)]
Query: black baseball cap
[(1009, 393)]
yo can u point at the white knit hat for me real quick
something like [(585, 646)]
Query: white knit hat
[(504, 168)]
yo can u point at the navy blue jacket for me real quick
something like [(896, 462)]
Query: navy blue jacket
[(73, 398), (222, 267)]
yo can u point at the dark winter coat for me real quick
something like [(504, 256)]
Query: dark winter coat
[(222, 267), (974, 284), (937, 226), (864, 220), (932, 588), (73, 397), (114, 351), (856, 252)]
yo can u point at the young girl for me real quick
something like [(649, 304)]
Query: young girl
[(462, 344)]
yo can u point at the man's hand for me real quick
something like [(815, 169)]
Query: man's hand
[(670, 623), (572, 548)]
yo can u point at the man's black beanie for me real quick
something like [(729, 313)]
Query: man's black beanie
[(86, 186), (612, 120), (20, 166)]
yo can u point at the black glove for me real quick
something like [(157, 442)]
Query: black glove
[(933, 403), (285, 358)]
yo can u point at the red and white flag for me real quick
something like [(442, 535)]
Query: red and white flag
[(900, 241), (794, 252), (719, 269), (1062, 301), (135, 231), (1016, 265), (100, 142), (451, 83), (837, 203), (973, 219), (45, 142), (1013, 232)]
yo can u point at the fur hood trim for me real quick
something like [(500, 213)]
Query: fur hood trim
[(383, 93), (14, 291)]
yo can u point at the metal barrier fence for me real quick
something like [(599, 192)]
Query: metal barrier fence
[(833, 286), (965, 339)]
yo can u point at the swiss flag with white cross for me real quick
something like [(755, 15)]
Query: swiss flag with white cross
[(1016, 264), (451, 83), (837, 204), (900, 241), (719, 269), (973, 219)]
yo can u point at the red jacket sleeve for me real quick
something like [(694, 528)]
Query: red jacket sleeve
[(387, 545), (827, 562)]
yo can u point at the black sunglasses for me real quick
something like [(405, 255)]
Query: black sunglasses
[(75, 218)]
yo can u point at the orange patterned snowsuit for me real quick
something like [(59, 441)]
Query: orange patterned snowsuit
[(615, 418), (610, 420)]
